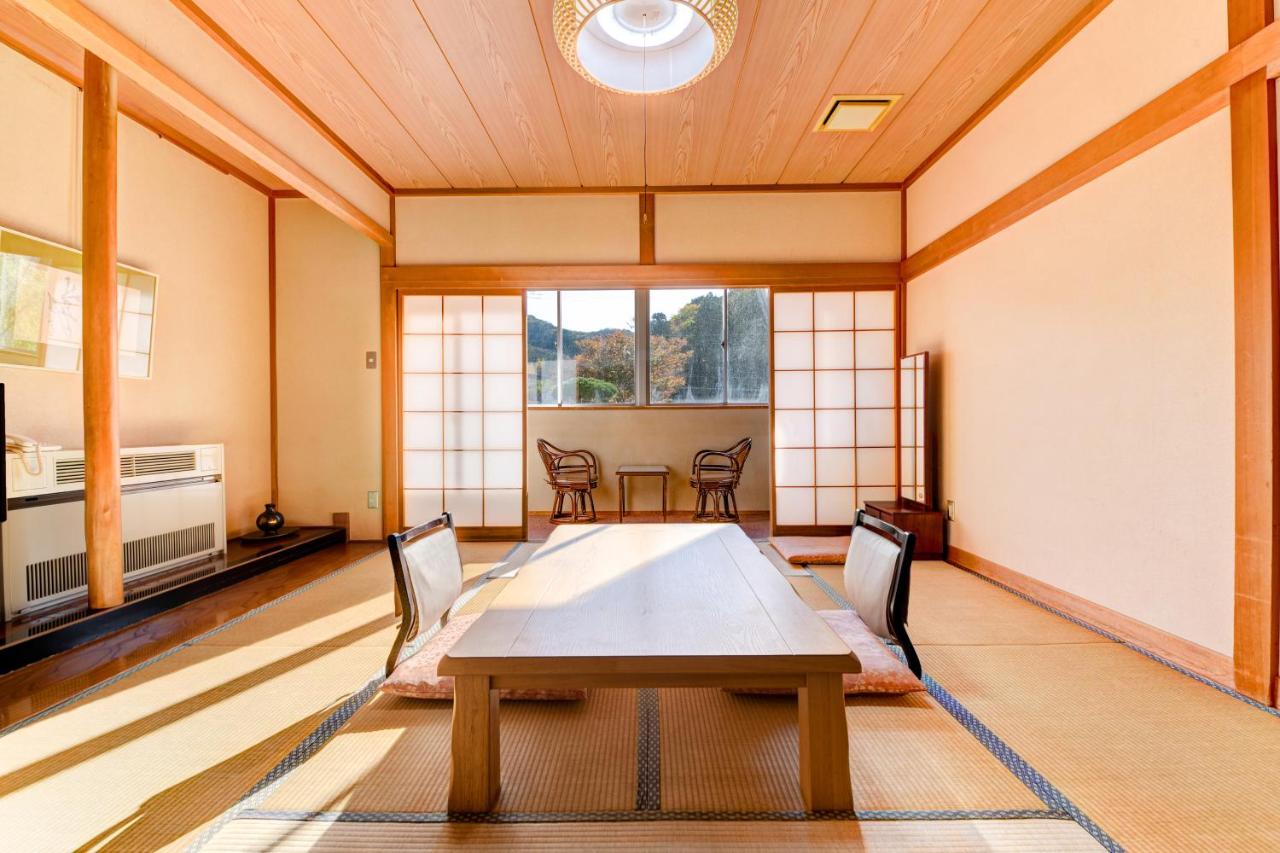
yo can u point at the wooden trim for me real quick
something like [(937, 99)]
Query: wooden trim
[(224, 40), (1257, 365), (1066, 34), (389, 326), (387, 253), (1200, 95), (648, 215), (1193, 656), (74, 20), (429, 192), (631, 407), (151, 123), (104, 543), (272, 378), (567, 277)]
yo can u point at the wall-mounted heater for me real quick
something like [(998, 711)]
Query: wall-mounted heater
[(173, 511)]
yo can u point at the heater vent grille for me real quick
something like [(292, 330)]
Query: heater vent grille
[(67, 573), (71, 471)]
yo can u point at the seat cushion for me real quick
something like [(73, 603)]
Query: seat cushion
[(812, 550), (416, 676), (882, 671)]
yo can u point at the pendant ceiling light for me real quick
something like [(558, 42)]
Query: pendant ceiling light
[(644, 46)]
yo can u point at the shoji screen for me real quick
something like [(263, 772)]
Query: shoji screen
[(462, 359), (833, 405)]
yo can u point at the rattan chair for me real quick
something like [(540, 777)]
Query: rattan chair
[(877, 580), (715, 477), (573, 474)]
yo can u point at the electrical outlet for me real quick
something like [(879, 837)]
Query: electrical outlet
[(371, 360), (951, 510), (373, 500)]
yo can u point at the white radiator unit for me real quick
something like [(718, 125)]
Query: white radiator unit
[(173, 512)]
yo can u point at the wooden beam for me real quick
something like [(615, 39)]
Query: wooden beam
[(104, 545), (76, 21), (647, 229), (1203, 93), (237, 52), (426, 192), (1257, 361), (877, 275), (1064, 35), (387, 253)]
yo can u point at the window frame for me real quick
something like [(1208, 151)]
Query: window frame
[(642, 374)]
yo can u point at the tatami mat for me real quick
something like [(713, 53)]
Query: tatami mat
[(950, 836)]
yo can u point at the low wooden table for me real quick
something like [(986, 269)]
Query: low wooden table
[(681, 605), (625, 471)]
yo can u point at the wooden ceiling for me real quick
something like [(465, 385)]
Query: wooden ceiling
[(474, 93)]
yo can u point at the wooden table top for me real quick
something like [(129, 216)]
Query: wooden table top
[(615, 599), (642, 470)]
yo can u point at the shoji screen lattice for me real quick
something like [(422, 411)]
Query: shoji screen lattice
[(834, 440), (462, 359)]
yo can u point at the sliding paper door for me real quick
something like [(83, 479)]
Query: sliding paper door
[(462, 436), (833, 406)]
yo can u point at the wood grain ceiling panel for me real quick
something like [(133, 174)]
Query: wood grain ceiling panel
[(494, 49), (686, 128), (605, 129), (797, 49), (389, 43), (36, 40), (1003, 38), (901, 42), (283, 37)]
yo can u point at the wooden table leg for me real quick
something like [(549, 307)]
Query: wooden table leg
[(622, 498), (824, 744), (474, 787), (664, 498)]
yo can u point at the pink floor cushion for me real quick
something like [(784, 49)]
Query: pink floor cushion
[(416, 677), (882, 671), (812, 550)]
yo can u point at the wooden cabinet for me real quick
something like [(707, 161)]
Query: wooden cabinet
[(926, 524)]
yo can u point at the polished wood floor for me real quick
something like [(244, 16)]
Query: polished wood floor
[(33, 688)]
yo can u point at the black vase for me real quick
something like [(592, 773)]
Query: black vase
[(270, 520)]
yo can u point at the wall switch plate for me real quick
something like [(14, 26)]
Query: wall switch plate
[(371, 360), (951, 510), (373, 500)]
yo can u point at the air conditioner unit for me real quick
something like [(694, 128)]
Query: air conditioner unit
[(173, 512)]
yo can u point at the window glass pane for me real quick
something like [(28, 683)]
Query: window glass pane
[(686, 346), (598, 362), (542, 322), (747, 333)]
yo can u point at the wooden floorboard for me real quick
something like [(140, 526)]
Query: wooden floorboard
[(33, 688)]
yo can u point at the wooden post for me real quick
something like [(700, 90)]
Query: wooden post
[(99, 340), (1257, 359)]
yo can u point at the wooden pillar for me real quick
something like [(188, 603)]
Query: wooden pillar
[(1257, 360), (99, 340)]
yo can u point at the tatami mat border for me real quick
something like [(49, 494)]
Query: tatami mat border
[(1146, 653), (634, 816), (648, 750), (138, 667), (1017, 765)]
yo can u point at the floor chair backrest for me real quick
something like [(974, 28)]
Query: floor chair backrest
[(428, 575), (877, 579)]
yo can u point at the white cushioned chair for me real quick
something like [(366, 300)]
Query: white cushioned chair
[(877, 580), (428, 574)]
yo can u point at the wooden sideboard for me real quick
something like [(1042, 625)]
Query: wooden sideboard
[(926, 524)]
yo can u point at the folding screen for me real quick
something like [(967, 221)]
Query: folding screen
[(913, 437), (834, 441), (462, 436)]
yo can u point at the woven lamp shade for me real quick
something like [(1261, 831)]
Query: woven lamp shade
[(570, 17)]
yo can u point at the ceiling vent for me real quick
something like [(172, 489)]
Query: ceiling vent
[(847, 113)]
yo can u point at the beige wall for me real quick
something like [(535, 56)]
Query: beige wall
[(650, 436), (328, 402), (778, 227), (1085, 361), (1130, 53), (202, 232)]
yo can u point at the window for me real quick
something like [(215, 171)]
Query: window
[(709, 346), (581, 347), (40, 302)]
